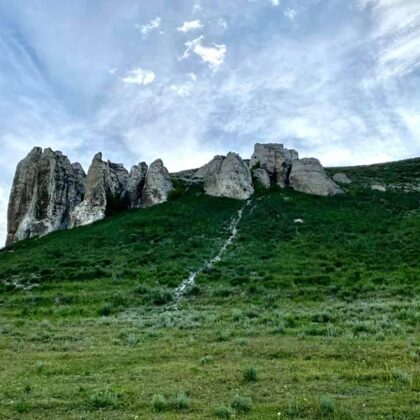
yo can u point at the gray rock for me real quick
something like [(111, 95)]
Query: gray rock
[(46, 188), (275, 159), (261, 176), (228, 177), (308, 176), (342, 178), (378, 187), (135, 185), (158, 185), (106, 183)]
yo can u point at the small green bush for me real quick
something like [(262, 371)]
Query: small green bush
[(159, 296), (159, 402), (181, 401), (105, 399), (326, 405), (22, 407), (223, 412), (250, 374), (106, 310), (241, 404)]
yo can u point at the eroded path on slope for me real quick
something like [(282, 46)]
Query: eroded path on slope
[(183, 288)]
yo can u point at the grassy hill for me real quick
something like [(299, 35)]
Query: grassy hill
[(317, 318)]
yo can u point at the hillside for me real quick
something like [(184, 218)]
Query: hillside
[(311, 311)]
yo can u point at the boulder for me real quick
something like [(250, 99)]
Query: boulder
[(228, 177), (275, 159), (308, 176), (106, 183), (341, 178), (157, 186), (378, 187), (46, 188), (261, 176)]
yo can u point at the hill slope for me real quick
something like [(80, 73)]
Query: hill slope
[(309, 318)]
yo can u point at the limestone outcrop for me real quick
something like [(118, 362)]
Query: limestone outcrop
[(228, 177), (46, 188), (275, 159), (341, 178), (158, 184), (106, 184), (135, 185), (308, 176), (50, 193)]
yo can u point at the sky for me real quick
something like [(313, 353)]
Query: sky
[(183, 80)]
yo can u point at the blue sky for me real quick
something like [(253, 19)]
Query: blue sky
[(184, 80)]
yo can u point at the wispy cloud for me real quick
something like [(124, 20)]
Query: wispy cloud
[(149, 27), (139, 76), (396, 37), (213, 55), (191, 25)]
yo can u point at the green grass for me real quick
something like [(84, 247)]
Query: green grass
[(313, 320)]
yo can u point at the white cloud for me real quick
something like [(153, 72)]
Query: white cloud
[(275, 2), (213, 55), (191, 25), (290, 13), (139, 77), (221, 22), (149, 27), (112, 71), (396, 38)]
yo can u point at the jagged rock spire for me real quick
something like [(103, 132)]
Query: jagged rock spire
[(46, 188)]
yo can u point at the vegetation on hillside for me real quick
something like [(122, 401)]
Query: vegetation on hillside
[(313, 311)]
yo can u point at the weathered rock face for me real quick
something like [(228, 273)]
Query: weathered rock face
[(135, 185), (106, 183), (341, 178), (308, 176), (228, 177), (46, 188), (157, 186), (261, 176), (275, 159)]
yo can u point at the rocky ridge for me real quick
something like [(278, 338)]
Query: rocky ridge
[(50, 193)]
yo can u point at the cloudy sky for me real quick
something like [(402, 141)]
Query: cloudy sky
[(186, 79)]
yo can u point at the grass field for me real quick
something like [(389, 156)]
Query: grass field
[(316, 320)]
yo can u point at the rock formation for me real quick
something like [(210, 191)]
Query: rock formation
[(341, 178), (46, 188), (307, 175), (228, 177), (157, 186), (50, 193), (106, 183), (275, 159), (261, 176), (136, 181)]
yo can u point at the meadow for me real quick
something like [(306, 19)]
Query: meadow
[(312, 312)]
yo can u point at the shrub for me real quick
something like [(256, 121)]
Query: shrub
[(223, 412), (241, 404), (327, 405), (159, 296), (105, 399), (106, 310), (250, 374), (206, 359), (402, 377), (22, 407), (180, 401), (159, 402)]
